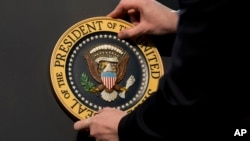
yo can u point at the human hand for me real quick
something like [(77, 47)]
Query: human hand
[(148, 16), (104, 125)]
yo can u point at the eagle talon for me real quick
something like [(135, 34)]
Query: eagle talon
[(94, 90), (123, 89)]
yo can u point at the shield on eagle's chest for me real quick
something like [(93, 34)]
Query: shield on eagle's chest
[(108, 79)]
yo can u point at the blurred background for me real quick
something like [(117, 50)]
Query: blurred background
[(29, 30)]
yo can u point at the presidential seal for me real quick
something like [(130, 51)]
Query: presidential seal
[(92, 68)]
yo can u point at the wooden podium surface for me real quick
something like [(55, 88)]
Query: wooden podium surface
[(29, 31)]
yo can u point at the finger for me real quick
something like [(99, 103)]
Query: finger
[(131, 32), (82, 124), (117, 13), (121, 9)]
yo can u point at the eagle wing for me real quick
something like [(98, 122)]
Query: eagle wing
[(93, 68), (122, 67)]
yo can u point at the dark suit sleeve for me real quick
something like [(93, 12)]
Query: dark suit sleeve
[(164, 43), (201, 94)]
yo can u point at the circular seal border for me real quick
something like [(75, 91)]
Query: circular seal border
[(71, 37)]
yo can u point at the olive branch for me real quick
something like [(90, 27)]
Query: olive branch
[(87, 85)]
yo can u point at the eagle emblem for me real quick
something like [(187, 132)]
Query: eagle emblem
[(107, 65)]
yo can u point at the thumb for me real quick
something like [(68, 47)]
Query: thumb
[(82, 124)]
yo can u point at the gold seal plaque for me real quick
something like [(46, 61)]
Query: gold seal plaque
[(92, 68)]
